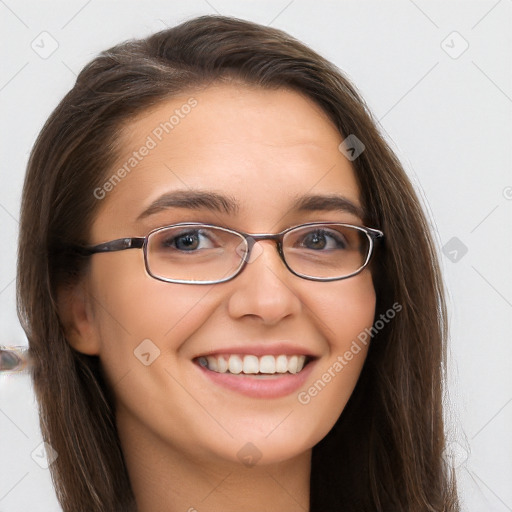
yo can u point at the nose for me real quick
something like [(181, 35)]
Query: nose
[(265, 289)]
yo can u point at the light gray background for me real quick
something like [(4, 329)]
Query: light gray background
[(446, 113)]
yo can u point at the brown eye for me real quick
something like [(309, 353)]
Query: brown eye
[(187, 242), (323, 239)]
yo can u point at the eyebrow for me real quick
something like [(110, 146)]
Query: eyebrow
[(198, 199), (192, 200), (331, 202)]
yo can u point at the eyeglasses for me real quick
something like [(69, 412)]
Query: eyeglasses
[(195, 253)]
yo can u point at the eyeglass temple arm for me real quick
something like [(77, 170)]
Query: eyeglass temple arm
[(374, 233), (116, 245)]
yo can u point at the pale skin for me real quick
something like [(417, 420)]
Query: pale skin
[(180, 433)]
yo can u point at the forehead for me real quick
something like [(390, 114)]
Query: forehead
[(261, 147)]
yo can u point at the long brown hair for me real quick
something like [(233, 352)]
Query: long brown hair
[(385, 453)]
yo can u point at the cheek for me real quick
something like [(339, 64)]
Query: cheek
[(344, 309), (135, 314)]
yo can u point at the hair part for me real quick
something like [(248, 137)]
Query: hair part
[(385, 451)]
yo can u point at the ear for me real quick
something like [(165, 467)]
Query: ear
[(77, 318)]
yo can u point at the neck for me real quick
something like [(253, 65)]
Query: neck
[(166, 479)]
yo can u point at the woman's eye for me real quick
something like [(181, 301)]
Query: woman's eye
[(189, 241), (323, 240)]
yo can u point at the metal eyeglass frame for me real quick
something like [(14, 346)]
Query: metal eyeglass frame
[(122, 244)]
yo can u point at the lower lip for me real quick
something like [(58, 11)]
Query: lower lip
[(274, 386)]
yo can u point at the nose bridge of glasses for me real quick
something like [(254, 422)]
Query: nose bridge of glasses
[(255, 249)]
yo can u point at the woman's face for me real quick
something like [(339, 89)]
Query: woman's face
[(261, 151)]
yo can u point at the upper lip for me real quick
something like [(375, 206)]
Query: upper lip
[(275, 349)]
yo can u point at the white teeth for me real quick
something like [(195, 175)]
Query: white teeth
[(250, 364), (281, 364), (268, 364), (235, 364), (212, 363), (222, 365), (292, 364)]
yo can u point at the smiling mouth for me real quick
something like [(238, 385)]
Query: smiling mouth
[(236, 364)]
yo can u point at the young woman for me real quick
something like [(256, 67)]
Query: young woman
[(230, 291)]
